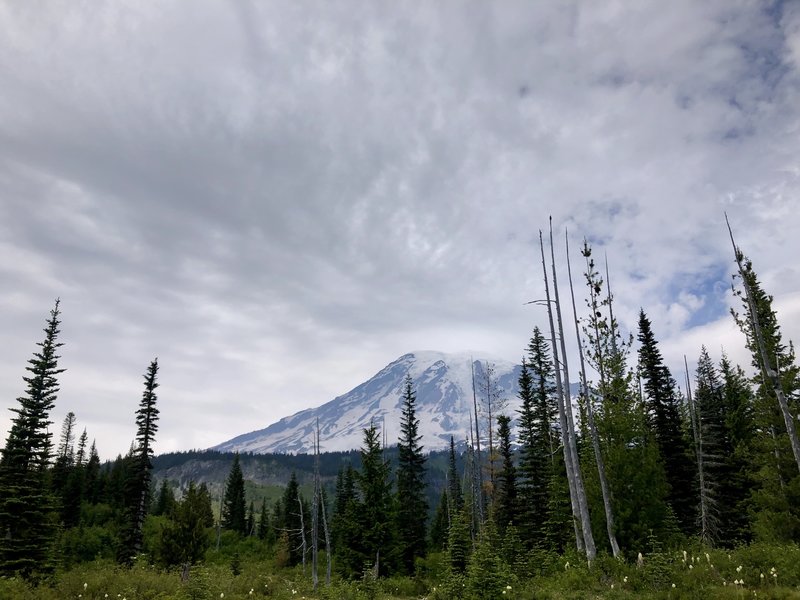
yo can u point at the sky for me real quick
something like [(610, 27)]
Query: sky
[(278, 198)]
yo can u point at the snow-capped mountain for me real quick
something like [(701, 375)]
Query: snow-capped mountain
[(443, 386)]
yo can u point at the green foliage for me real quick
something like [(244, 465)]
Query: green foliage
[(459, 544), (376, 536), (487, 574), (538, 449), (662, 405), (139, 473), (27, 520), (185, 538), (440, 523), (292, 523), (505, 503), (411, 505), (234, 507)]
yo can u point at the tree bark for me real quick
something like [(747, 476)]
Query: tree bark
[(583, 504), (562, 417)]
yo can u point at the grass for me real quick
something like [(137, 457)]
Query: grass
[(700, 573)]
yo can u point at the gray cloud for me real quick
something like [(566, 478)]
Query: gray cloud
[(277, 199)]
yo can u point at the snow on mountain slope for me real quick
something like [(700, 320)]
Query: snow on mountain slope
[(443, 385)]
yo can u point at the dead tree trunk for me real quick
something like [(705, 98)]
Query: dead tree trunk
[(771, 374), (583, 504), (302, 534), (315, 513), (598, 455), (562, 416), (477, 463)]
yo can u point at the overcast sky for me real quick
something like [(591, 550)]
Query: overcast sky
[(278, 198)]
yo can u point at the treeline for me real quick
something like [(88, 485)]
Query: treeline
[(646, 464)]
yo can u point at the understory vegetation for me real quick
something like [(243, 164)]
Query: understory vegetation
[(242, 570)]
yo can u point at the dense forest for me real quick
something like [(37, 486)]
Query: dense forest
[(640, 487)]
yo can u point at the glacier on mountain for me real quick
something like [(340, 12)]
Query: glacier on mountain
[(443, 386)]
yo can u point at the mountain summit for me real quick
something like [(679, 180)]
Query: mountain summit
[(443, 384)]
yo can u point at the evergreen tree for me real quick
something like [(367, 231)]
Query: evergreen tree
[(65, 454), (165, 501), (93, 481), (506, 498), (26, 504), (80, 455), (634, 470), (557, 529), (412, 506), (265, 532), (186, 538), (712, 446), (537, 451), (292, 522), (441, 522), (137, 484), (740, 426), (234, 507), (459, 542), (776, 500), (346, 524), (662, 405), (205, 504), (454, 495), (251, 519), (376, 540)]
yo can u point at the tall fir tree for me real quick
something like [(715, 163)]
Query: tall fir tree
[(538, 449), (740, 425), (139, 476), (65, 454), (663, 409), (250, 521), (266, 527), (455, 497), (234, 506), (293, 521), (441, 522), (712, 446), (412, 506), (376, 538), (93, 479), (776, 500), (27, 523), (345, 524), (165, 501), (505, 508)]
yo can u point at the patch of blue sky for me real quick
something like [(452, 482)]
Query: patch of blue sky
[(708, 292)]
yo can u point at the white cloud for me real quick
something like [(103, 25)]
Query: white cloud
[(277, 199)]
